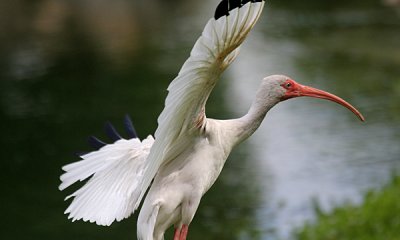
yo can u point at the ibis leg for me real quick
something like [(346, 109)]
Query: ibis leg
[(184, 232), (181, 233), (177, 234)]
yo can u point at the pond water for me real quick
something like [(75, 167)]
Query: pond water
[(68, 66)]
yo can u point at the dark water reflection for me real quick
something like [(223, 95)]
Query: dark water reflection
[(66, 67)]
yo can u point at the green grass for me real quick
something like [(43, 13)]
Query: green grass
[(378, 218)]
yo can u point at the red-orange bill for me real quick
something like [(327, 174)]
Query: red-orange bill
[(301, 90)]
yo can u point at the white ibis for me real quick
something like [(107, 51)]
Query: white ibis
[(189, 149)]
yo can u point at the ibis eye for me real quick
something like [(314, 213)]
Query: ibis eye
[(288, 85)]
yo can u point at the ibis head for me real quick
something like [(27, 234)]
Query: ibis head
[(286, 88)]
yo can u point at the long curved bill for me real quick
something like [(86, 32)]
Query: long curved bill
[(316, 93)]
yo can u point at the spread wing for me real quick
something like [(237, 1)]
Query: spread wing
[(183, 115), (114, 171)]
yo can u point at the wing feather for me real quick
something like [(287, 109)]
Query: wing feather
[(188, 92), (116, 171)]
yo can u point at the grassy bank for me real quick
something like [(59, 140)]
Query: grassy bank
[(378, 218)]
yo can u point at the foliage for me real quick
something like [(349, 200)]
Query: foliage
[(377, 218)]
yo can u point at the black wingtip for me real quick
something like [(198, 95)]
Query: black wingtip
[(222, 9), (111, 132), (225, 6), (130, 130), (96, 143)]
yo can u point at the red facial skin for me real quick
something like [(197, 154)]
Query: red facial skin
[(294, 89)]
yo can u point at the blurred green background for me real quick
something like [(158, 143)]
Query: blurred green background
[(68, 66)]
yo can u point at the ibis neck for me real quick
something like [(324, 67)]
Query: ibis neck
[(256, 114)]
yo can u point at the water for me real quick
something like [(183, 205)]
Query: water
[(67, 67)]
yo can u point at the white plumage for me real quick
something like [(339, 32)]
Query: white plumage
[(189, 150), (108, 195)]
